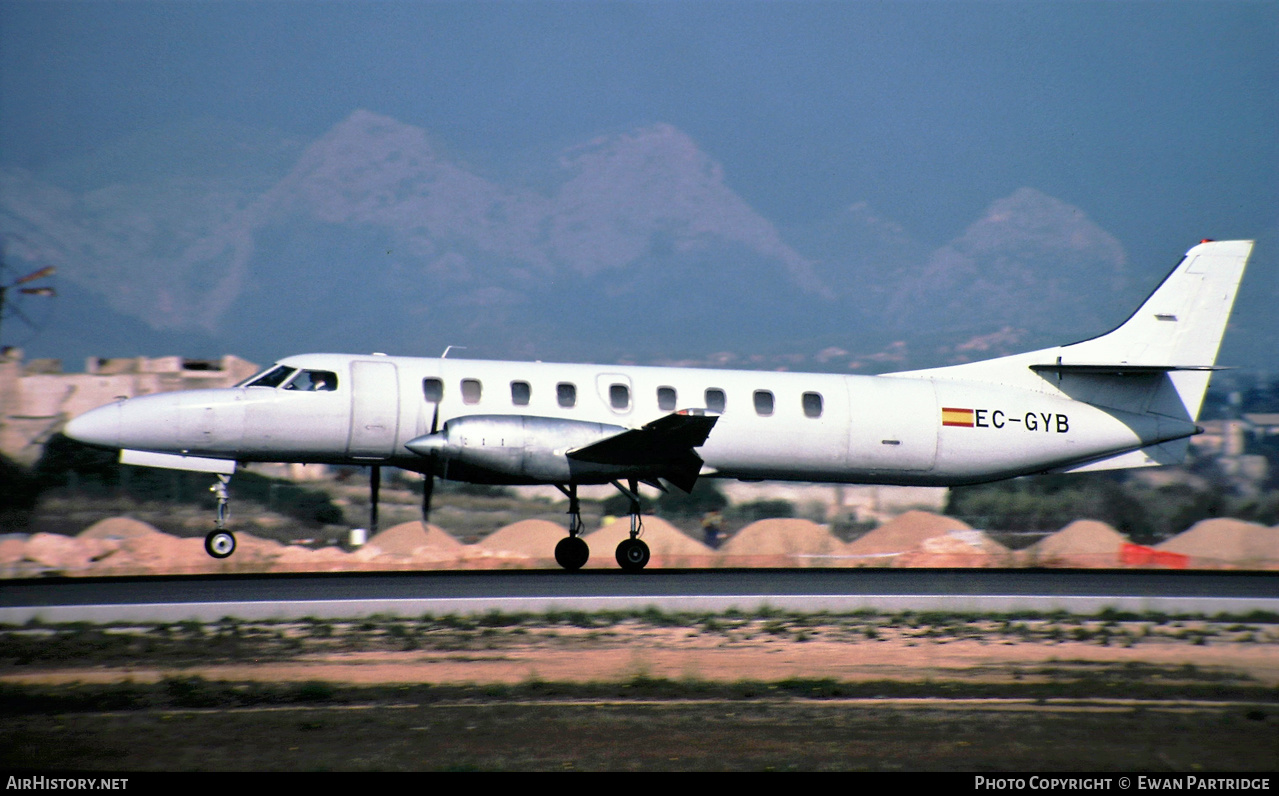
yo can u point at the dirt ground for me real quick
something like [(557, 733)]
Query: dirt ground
[(759, 650), (715, 693), (671, 654), (127, 546)]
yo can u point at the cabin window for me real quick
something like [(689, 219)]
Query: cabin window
[(763, 403), (619, 396), (314, 381), (521, 392), (273, 377), (433, 389), (666, 398), (471, 391), (812, 404), (566, 394), (715, 400)]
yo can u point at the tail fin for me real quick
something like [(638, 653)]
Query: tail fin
[(1158, 361), (1176, 331), (1181, 325)]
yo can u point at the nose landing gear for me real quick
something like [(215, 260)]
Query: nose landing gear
[(220, 543)]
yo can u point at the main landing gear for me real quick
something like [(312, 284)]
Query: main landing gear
[(632, 554), (220, 543), (572, 552)]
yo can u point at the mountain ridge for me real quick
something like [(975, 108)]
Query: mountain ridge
[(631, 248)]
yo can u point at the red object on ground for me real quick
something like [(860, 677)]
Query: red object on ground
[(1140, 556)]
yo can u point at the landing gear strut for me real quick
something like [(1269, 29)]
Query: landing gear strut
[(632, 554), (572, 552), (375, 485), (220, 542)]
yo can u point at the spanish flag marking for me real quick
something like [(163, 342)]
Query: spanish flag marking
[(956, 417)]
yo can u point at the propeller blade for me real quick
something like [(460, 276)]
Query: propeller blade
[(48, 270)]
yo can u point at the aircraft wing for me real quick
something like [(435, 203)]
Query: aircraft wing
[(666, 443)]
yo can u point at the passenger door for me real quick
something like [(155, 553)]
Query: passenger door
[(375, 410)]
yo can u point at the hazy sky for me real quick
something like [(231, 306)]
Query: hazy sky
[(1160, 120)]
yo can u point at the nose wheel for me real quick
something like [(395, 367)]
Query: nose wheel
[(220, 543)]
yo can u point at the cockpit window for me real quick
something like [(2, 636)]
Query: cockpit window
[(314, 381), (273, 377)]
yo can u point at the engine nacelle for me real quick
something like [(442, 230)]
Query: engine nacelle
[(517, 449)]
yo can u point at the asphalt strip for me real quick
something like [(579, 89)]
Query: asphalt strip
[(747, 603)]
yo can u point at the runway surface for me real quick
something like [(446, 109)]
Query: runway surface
[(354, 595)]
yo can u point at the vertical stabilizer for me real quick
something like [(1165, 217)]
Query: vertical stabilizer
[(1156, 362), (1182, 323), (1177, 330)]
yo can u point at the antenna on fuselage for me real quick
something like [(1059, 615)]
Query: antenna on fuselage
[(449, 348)]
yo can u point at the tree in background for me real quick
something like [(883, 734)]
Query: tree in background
[(94, 473), (1144, 512)]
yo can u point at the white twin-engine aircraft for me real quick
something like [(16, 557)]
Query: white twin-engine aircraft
[(1129, 398)]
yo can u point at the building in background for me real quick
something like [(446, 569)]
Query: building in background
[(37, 398)]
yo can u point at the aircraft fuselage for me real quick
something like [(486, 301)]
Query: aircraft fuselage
[(515, 422), (1128, 398)]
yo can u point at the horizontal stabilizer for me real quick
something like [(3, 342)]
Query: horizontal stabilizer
[(1117, 370)]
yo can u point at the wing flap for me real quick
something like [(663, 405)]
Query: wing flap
[(666, 444)]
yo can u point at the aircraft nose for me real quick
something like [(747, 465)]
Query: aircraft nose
[(99, 427)]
